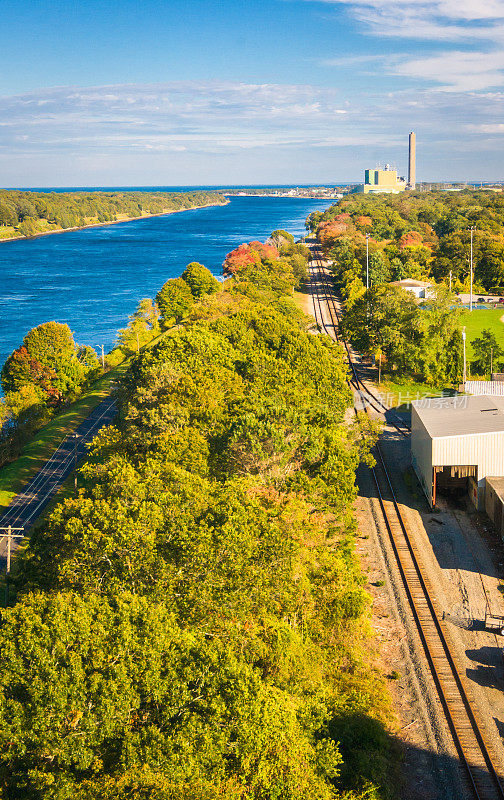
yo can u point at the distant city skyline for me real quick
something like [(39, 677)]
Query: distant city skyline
[(257, 92)]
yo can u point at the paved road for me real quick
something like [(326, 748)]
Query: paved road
[(29, 503)]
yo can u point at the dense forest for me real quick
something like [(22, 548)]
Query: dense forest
[(420, 235), (31, 213), (425, 236), (193, 625)]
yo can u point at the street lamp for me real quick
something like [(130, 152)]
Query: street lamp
[(464, 372), (471, 279), (367, 261)]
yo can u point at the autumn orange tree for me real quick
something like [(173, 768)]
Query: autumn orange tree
[(246, 255), (49, 360)]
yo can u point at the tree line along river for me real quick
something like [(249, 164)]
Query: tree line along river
[(92, 279)]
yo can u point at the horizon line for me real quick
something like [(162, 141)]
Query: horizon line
[(314, 184)]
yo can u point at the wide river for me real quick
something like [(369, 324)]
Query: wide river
[(92, 279)]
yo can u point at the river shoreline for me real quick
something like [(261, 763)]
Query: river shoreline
[(110, 222), (93, 279)]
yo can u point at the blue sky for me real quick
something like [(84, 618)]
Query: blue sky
[(165, 93)]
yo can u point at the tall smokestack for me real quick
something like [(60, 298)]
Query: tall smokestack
[(412, 161)]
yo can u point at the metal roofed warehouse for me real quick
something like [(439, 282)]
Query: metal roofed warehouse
[(456, 443)]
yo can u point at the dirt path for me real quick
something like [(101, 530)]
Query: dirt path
[(304, 301)]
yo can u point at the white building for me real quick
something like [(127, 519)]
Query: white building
[(383, 181), (456, 443), (489, 388), (419, 288)]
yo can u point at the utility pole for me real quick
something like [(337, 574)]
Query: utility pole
[(10, 537), (471, 280), (103, 358), (450, 280), (75, 437), (138, 343), (464, 373), (367, 261), (491, 362)]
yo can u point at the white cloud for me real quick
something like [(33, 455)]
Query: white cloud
[(494, 127), (209, 132), (475, 25), (211, 116), (352, 61), (440, 20), (456, 71)]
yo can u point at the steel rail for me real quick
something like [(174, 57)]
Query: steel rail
[(40, 474), (454, 691), (50, 477), (53, 465), (366, 394), (403, 426)]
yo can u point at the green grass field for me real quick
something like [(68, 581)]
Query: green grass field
[(399, 393), (476, 321), (13, 476)]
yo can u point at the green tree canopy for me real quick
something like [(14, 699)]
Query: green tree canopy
[(31, 213), (143, 326), (428, 231), (199, 279), (174, 300), (199, 616), (488, 353), (125, 691), (48, 358), (280, 239), (422, 341)]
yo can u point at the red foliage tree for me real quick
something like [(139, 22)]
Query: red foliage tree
[(410, 239), (247, 254), (328, 231), (21, 368), (363, 221)]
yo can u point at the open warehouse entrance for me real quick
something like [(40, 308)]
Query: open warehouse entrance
[(455, 482)]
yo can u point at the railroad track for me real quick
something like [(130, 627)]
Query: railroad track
[(31, 501), (366, 394), (454, 690)]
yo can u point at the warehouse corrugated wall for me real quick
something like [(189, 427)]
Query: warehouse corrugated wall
[(486, 450), (421, 453)]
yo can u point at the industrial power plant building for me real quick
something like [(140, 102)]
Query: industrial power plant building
[(386, 181), (457, 445), (383, 181)]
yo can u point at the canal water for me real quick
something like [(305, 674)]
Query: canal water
[(92, 279)]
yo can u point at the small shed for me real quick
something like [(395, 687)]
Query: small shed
[(419, 288), (494, 502), (456, 442)]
